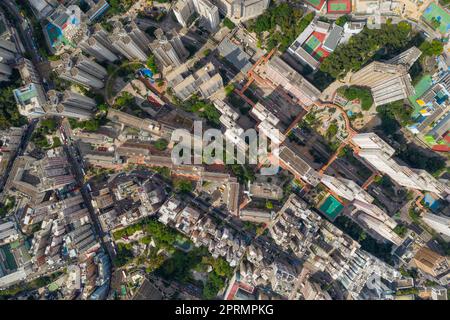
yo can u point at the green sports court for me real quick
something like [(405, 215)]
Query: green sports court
[(423, 85), (339, 6), (316, 3), (311, 44), (331, 207), (440, 14)]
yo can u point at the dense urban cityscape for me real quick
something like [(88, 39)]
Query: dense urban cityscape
[(224, 150)]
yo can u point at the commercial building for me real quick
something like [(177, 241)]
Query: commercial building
[(95, 48), (42, 8), (431, 262), (205, 80), (96, 8), (433, 117), (235, 55), (30, 100), (64, 29), (377, 220), (151, 126), (346, 188), (389, 81), (128, 40), (265, 190), (8, 232), (257, 216)]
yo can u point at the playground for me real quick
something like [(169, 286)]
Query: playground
[(436, 15), (423, 85)]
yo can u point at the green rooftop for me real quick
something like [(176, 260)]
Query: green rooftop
[(331, 207)]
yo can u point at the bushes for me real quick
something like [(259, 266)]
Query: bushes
[(203, 109), (161, 144), (206, 52), (229, 89), (357, 92)]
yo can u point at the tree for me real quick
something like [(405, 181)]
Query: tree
[(269, 205), (229, 89), (228, 23), (125, 99), (283, 22), (161, 144), (206, 52), (362, 47), (182, 186), (342, 20), (212, 286), (9, 114), (124, 255), (151, 64), (394, 115), (433, 48), (357, 92)]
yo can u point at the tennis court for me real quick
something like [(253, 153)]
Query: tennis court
[(316, 3), (339, 6), (311, 44), (439, 14)]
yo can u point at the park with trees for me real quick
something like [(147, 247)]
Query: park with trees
[(363, 94), (283, 23)]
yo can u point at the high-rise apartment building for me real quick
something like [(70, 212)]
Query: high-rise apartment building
[(439, 223), (79, 69), (205, 80), (96, 49), (389, 81), (379, 154), (168, 49), (70, 104), (242, 9), (209, 13)]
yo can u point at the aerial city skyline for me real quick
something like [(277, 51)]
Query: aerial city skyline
[(224, 150)]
